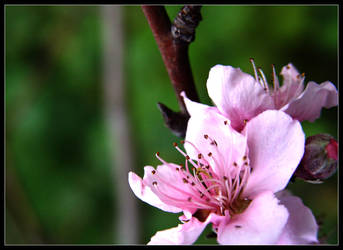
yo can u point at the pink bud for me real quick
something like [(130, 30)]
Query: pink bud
[(320, 158)]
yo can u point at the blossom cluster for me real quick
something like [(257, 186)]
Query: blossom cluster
[(239, 157)]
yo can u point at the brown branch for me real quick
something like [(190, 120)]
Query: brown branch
[(173, 47)]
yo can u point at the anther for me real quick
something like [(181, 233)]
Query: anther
[(154, 183), (187, 157), (189, 199), (174, 144), (225, 178), (158, 153), (177, 169), (153, 172), (199, 156), (185, 180), (244, 157), (225, 122), (205, 136), (182, 142), (193, 184), (288, 67), (214, 143), (235, 164), (209, 154)]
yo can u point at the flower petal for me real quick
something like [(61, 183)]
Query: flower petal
[(223, 142), (236, 94), (261, 223), (301, 227), (309, 104), (143, 191), (196, 108), (276, 145), (293, 85), (184, 234)]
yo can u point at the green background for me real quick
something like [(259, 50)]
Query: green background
[(57, 148)]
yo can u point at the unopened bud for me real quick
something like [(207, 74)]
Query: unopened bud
[(175, 121), (320, 158)]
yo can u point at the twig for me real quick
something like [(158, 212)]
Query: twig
[(173, 41)]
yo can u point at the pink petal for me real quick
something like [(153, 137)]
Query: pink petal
[(291, 88), (144, 192), (236, 94), (183, 234), (224, 143), (276, 145), (195, 108), (261, 223), (301, 227), (309, 104)]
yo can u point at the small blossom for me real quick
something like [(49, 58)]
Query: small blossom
[(240, 96), (232, 180)]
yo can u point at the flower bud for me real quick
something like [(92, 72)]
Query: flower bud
[(320, 158)]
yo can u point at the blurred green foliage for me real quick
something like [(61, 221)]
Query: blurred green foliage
[(56, 141)]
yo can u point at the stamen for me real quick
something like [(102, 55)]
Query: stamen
[(275, 79), (255, 71), (265, 83), (160, 159)]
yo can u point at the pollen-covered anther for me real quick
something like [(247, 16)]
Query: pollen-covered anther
[(154, 183), (209, 154), (182, 142), (214, 143), (206, 136), (187, 157), (235, 164), (225, 122), (153, 172), (174, 144), (244, 157), (199, 156), (185, 180)]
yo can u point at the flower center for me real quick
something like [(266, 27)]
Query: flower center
[(204, 188)]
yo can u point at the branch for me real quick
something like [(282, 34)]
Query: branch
[(173, 41)]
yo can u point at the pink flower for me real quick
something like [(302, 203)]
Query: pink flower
[(240, 97), (233, 181)]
